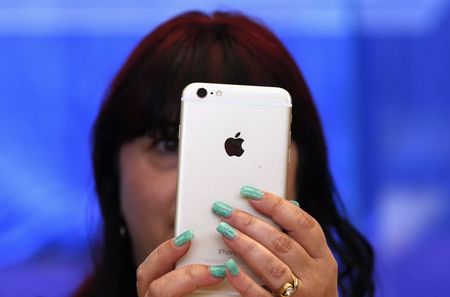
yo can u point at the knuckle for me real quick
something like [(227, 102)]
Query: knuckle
[(189, 271), (277, 270), (250, 246), (277, 204), (248, 289), (282, 243), (306, 221), (265, 281), (248, 221)]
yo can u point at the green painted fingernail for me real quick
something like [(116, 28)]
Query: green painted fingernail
[(226, 230), (221, 209), (252, 193), (217, 271), (183, 238), (232, 267), (295, 203)]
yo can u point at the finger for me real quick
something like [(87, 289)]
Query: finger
[(185, 280), (296, 222), (272, 271), (162, 260), (279, 243), (244, 284)]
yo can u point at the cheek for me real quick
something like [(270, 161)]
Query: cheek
[(144, 189), (136, 194), (143, 185), (148, 197)]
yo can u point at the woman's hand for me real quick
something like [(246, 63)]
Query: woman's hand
[(157, 277), (274, 255)]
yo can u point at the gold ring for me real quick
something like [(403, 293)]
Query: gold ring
[(288, 289)]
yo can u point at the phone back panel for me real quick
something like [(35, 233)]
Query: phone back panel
[(262, 117)]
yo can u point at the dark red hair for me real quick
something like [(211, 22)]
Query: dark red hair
[(144, 98)]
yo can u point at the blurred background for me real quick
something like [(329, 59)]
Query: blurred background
[(379, 72)]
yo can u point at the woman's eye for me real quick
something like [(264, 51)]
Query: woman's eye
[(166, 146)]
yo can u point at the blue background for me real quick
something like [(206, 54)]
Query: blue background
[(379, 72)]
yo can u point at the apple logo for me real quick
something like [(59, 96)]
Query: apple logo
[(233, 146)]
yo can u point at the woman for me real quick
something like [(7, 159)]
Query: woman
[(135, 166)]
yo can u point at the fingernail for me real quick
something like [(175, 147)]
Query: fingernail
[(226, 230), (183, 238), (221, 209), (252, 193), (295, 203), (217, 271), (232, 267)]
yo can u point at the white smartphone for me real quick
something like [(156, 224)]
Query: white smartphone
[(229, 136)]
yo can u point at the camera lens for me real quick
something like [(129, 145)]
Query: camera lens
[(202, 92)]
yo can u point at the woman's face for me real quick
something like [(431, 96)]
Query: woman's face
[(148, 183)]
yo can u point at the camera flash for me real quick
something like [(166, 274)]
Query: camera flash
[(219, 93)]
